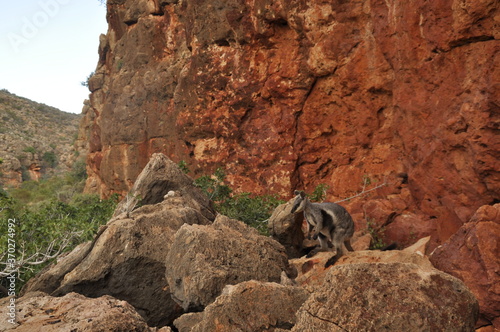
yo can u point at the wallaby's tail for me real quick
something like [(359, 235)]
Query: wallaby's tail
[(347, 244)]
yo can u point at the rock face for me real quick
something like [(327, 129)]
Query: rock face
[(249, 306), (288, 94), (204, 259), (73, 312), (388, 296), (127, 259), (472, 255)]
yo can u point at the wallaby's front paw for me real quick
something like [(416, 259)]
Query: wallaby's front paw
[(315, 237), (311, 253)]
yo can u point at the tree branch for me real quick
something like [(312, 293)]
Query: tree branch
[(364, 191)]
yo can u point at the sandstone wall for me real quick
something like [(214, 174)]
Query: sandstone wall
[(290, 94)]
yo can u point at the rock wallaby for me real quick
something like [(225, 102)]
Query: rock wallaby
[(328, 222)]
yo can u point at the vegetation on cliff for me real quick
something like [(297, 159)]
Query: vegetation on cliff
[(36, 140)]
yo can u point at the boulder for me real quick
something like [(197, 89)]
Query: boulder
[(127, 257), (312, 272), (251, 306), (472, 255), (161, 177), (408, 227), (388, 297), (73, 312), (419, 247), (286, 228), (204, 259)]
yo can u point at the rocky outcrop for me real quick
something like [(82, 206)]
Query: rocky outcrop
[(162, 179), (312, 272), (73, 312), (127, 258), (204, 259), (170, 262), (35, 140), (286, 228), (388, 296), (248, 306), (289, 94), (472, 255)]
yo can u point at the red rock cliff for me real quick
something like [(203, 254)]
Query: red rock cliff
[(290, 94)]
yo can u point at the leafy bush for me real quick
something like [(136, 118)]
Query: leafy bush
[(377, 235), (319, 193), (252, 210), (46, 230), (30, 149), (79, 170), (50, 159), (86, 82), (52, 216)]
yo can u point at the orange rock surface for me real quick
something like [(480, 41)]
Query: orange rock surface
[(289, 94)]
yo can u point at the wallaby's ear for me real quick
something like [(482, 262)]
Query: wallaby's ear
[(299, 192)]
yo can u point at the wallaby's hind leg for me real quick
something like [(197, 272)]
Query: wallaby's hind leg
[(323, 241), (334, 259), (337, 243)]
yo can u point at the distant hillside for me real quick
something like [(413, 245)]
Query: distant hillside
[(36, 140)]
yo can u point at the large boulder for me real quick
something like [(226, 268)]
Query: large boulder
[(312, 271), (248, 306), (161, 177), (204, 259), (388, 297), (286, 228), (472, 255), (72, 312), (127, 257)]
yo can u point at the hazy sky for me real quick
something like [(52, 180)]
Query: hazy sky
[(47, 47)]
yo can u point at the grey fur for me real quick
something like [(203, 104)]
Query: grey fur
[(327, 222)]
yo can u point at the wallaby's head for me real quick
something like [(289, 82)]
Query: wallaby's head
[(300, 201)]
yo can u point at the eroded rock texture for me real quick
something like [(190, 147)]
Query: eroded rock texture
[(204, 259), (393, 297), (73, 312), (472, 254), (288, 94), (248, 306)]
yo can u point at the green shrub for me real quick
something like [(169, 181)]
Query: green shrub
[(79, 170), (50, 228), (251, 209), (319, 193), (86, 82), (29, 149), (50, 159), (377, 235), (183, 166)]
